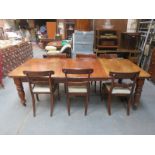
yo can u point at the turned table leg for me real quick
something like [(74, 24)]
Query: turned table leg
[(138, 91), (20, 90)]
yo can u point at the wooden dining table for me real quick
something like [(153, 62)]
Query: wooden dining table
[(101, 68)]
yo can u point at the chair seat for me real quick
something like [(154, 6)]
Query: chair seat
[(53, 52), (50, 48), (41, 89), (106, 81), (77, 89), (118, 90)]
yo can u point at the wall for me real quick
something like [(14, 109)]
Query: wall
[(132, 25)]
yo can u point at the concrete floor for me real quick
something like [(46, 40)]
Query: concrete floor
[(16, 119)]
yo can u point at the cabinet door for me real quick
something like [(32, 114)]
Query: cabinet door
[(83, 24), (51, 29)]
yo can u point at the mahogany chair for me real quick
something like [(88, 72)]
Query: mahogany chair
[(55, 56), (81, 55), (106, 56), (77, 84), (125, 88), (41, 83)]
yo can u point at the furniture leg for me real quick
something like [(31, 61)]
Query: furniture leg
[(109, 104), (68, 105), (58, 93), (95, 86), (2, 84), (138, 91), (20, 90), (86, 105), (33, 105), (37, 96), (128, 106), (100, 87), (52, 105)]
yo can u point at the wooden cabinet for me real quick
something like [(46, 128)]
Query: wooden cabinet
[(51, 29), (106, 39), (69, 29), (152, 66), (83, 24), (129, 40)]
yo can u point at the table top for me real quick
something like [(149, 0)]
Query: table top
[(122, 65), (57, 64), (101, 66)]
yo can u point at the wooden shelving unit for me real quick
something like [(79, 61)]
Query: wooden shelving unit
[(106, 39), (69, 29)]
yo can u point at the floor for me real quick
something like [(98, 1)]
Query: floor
[(16, 119)]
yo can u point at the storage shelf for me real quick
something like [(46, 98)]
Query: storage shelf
[(106, 46), (106, 39)]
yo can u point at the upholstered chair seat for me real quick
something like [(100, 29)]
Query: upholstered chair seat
[(50, 48), (41, 89), (53, 52), (77, 89), (118, 90)]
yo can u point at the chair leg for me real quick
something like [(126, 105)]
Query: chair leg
[(86, 105), (37, 96), (109, 104), (52, 105), (128, 106), (58, 93), (68, 105), (100, 87), (33, 105), (95, 86), (101, 91), (1, 83), (65, 88)]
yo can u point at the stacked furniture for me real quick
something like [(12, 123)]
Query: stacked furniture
[(14, 55), (52, 50), (83, 42)]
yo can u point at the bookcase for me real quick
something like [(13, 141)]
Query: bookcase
[(106, 39), (69, 29)]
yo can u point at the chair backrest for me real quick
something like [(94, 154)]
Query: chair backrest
[(108, 56), (81, 55), (63, 55), (77, 77), (39, 77), (129, 80)]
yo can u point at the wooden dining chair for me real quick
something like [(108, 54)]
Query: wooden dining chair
[(106, 56), (41, 83), (62, 55), (81, 55), (77, 84), (125, 88)]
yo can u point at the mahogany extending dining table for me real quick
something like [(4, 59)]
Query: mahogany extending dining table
[(101, 67)]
